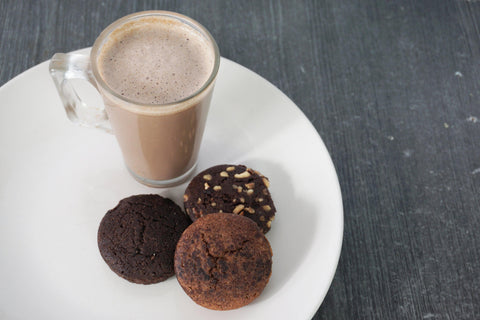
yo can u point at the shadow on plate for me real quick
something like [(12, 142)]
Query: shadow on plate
[(292, 230)]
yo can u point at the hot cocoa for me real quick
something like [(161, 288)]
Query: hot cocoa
[(157, 71)]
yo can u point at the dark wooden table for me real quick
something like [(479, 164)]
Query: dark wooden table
[(393, 89)]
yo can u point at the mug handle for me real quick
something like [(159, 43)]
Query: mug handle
[(66, 66)]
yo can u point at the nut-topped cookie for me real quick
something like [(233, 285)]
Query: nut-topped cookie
[(231, 189), (137, 238)]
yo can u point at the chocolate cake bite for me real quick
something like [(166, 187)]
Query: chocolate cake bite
[(137, 238), (223, 261), (231, 189)]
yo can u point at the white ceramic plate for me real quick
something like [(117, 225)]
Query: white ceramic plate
[(57, 181)]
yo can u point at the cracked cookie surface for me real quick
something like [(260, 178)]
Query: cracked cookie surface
[(223, 261), (231, 189), (137, 238)]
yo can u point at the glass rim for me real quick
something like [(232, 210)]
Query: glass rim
[(98, 44)]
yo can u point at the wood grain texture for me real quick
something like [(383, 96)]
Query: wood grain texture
[(393, 89)]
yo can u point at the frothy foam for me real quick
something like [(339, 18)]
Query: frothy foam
[(156, 60)]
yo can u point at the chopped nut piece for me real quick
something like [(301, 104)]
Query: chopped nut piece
[(262, 218), (242, 199), (250, 185), (199, 200), (224, 174), (185, 197), (230, 168), (217, 188), (250, 192), (269, 223), (213, 204), (206, 186), (266, 182), (238, 209), (250, 210), (239, 189), (244, 174), (267, 208), (207, 177), (259, 199)]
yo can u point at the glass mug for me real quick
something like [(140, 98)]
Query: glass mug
[(159, 140)]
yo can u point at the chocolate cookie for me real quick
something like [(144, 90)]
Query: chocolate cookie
[(231, 189), (223, 261), (137, 238)]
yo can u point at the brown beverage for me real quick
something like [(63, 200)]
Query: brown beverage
[(156, 81)]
